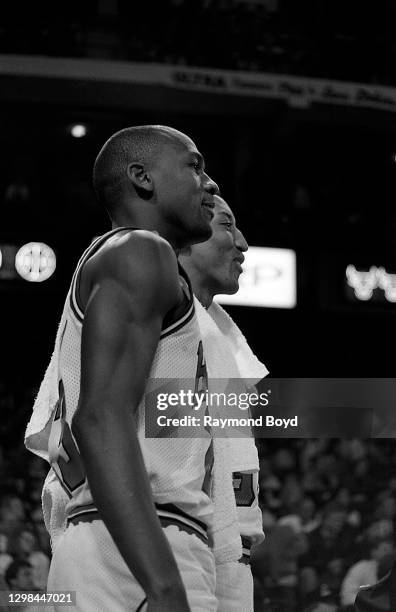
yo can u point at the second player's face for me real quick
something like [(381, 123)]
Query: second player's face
[(219, 260), (185, 193)]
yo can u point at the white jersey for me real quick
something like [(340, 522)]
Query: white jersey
[(178, 468)]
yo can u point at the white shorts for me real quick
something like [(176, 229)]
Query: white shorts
[(87, 561), (234, 587)]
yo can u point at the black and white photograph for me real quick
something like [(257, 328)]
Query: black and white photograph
[(198, 306)]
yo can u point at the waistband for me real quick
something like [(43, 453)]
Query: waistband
[(88, 514)]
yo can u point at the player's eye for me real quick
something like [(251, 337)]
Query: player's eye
[(228, 225)]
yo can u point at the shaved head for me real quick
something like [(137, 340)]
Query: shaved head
[(140, 144)]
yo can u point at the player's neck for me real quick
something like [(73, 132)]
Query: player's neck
[(199, 284), (141, 220), (203, 295)]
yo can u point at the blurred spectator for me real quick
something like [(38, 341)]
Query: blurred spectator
[(380, 529), (291, 493), (308, 515), (19, 576), (275, 563), (284, 461), (5, 557), (12, 513), (385, 507), (305, 518), (329, 549), (26, 548), (270, 486)]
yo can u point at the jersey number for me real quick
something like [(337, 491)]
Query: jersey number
[(243, 488), (67, 458)]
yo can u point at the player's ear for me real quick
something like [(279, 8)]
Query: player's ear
[(140, 178)]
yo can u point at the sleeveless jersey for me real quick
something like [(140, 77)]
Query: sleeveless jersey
[(178, 468)]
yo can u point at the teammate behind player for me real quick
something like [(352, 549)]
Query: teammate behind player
[(214, 267), (128, 311)]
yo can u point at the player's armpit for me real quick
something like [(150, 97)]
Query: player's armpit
[(121, 330)]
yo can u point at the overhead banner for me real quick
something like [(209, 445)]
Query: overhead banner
[(299, 92), (296, 91)]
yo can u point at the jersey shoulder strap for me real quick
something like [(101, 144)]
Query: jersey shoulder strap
[(179, 316), (93, 248)]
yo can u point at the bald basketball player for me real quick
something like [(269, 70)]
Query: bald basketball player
[(136, 536)]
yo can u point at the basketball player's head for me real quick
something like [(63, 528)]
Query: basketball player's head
[(153, 176), (216, 265)]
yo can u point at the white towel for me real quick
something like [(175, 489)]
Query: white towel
[(54, 498), (228, 356), (239, 359), (38, 428), (249, 367)]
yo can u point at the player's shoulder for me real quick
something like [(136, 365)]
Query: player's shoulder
[(133, 252), (132, 242), (139, 263)]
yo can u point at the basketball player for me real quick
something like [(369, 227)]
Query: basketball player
[(214, 267), (136, 536)]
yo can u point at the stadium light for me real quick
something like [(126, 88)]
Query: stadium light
[(78, 130), (376, 283), (35, 262)]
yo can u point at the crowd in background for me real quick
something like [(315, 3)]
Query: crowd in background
[(329, 509), (24, 541), (324, 38)]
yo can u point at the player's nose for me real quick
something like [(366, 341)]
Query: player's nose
[(240, 241), (210, 186)]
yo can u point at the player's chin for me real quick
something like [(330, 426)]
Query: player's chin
[(234, 281), (230, 287), (234, 287), (202, 232)]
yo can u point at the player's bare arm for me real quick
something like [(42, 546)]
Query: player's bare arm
[(128, 289)]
